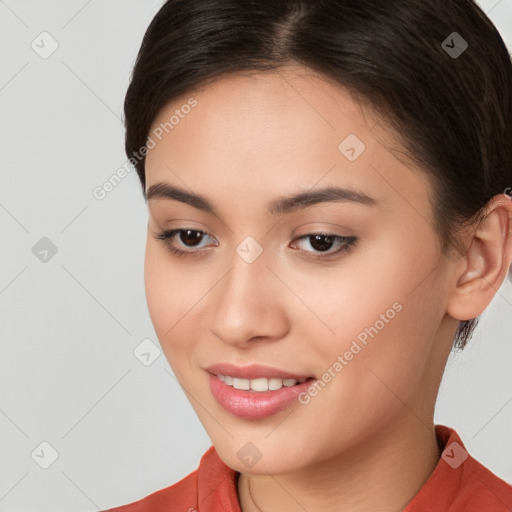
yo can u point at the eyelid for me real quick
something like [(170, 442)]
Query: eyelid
[(312, 228)]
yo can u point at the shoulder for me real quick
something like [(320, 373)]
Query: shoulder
[(460, 483), (182, 496), (481, 489)]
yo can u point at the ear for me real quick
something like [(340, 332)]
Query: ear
[(482, 270)]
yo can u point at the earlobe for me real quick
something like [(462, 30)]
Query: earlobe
[(481, 271)]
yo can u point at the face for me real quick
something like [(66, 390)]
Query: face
[(306, 247)]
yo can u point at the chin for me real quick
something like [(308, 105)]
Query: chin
[(258, 458)]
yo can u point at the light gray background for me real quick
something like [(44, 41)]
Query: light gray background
[(69, 325)]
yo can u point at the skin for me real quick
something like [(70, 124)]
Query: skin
[(366, 442)]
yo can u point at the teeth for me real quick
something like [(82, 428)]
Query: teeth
[(260, 384), (241, 383), (275, 383)]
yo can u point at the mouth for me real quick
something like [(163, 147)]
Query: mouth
[(256, 376), (260, 384), (255, 391)]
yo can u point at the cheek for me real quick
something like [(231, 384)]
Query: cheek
[(343, 302), (176, 296), (380, 313), (158, 293), (168, 298)]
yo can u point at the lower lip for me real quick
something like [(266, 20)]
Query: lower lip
[(255, 404)]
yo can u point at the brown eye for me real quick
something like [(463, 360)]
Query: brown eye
[(191, 237), (178, 240), (321, 242)]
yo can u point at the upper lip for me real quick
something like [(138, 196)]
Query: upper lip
[(253, 371)]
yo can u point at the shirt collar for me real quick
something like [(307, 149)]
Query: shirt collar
[(218, 483)]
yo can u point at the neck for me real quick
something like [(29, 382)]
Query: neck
[(384, 474)]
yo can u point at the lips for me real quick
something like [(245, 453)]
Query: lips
[(252, 404), (254, 371)]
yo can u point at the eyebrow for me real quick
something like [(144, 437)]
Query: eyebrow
[(281, 205)]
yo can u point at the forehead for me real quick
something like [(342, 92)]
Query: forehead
[(289, 128), (294, 92)]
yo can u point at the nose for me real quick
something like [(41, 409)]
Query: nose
[(249, 305)]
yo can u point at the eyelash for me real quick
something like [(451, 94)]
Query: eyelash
[(348, 242)]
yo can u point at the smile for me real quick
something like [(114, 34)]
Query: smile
[(261, 384)]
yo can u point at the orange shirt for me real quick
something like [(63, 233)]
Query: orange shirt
[(459, 483)]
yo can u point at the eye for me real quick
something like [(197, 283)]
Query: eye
[(187, 241), (322, 243), (177, 240)]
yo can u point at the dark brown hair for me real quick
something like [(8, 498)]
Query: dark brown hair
[(453, 113)]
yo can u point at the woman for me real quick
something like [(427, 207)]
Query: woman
[(329, 214)]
